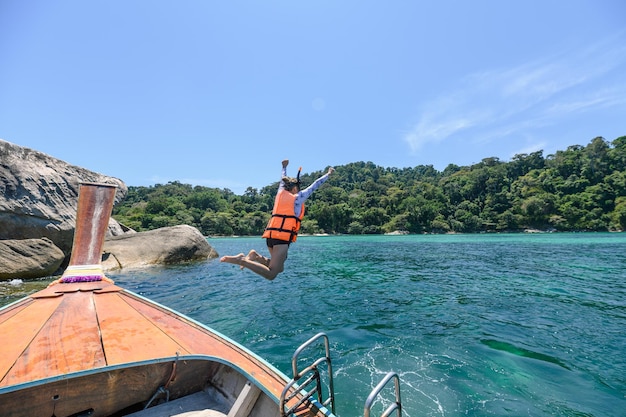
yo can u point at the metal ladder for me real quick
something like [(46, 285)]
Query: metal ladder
[(395, 406), (312, 384)]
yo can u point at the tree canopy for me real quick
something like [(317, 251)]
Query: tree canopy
[(582, 188)]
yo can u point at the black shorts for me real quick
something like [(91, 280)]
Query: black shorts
[(271, 242)]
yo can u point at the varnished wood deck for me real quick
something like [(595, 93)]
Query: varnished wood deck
[(80, 326)]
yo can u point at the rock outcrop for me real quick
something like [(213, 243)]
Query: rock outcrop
[(168, 245), (38, 202), (29, 258), (39, 195)]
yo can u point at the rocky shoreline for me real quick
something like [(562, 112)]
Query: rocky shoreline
[(38, 200)]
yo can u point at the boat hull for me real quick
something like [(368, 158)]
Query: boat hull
[(97, 349)]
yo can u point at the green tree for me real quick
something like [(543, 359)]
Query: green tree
[(618, 216), (580, 188)]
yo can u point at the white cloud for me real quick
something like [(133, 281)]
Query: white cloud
[(427, 131), (494, 104), (594, 100), (539, 146)]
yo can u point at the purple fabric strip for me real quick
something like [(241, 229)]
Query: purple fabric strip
[(82, 278)]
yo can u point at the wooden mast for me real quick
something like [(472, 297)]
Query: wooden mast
[(95, 204)]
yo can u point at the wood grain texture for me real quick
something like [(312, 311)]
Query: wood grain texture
[(196, 339), (128, 336), (68, 342), (17, 333)]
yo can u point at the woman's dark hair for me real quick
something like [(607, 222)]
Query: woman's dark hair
[(290, 182)]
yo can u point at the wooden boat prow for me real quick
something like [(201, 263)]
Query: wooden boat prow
[(87, 347)]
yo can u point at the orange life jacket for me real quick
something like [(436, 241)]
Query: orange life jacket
[(284, 224)]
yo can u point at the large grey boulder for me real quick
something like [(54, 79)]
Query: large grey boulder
[(29, 258), (167, 245), (39, 195), (38, 203)]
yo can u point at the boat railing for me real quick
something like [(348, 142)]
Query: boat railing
[(395, 406), (309, 381)]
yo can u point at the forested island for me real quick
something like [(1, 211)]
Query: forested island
[(582, 188)]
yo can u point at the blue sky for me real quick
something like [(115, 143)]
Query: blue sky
[(217, 93)]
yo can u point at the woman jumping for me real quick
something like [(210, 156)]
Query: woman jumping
[(282, 228)]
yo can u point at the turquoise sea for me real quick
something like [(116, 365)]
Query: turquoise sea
[(474, 325)]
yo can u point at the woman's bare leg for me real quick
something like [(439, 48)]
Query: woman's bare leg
[(236, 259), (275, 266), (255, 256)]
